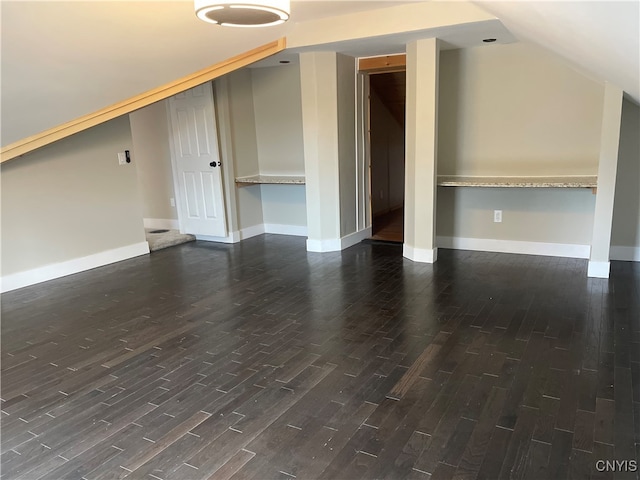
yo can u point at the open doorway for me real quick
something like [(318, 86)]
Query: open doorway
[(387, 99)]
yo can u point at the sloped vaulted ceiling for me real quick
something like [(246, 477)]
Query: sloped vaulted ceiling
[(64, 59), (602, 38)]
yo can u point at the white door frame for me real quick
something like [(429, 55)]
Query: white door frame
[(363, 152), (226, 173)]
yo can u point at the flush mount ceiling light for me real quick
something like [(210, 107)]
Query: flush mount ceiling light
[(259, 13)]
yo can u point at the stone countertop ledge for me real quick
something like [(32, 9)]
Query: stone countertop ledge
[(569, 181), (272, 179)]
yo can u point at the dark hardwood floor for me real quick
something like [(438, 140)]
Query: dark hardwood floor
[(389, 227), (262, 361)]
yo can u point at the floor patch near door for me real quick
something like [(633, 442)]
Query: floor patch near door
[(159, 239)]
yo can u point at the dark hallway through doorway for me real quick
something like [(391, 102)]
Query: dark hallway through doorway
[(387, 146)]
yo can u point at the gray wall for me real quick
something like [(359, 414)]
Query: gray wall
[(547, 215), (516, 110), (242, 126), (70, 199), (152, 159), (626, 212), (278, 130), (265, 125), (278, 119), (346, 84)]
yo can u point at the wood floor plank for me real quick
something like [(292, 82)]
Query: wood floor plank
[(290, 364), (478, 444), (514, 462)]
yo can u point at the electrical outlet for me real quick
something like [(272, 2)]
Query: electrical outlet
[(497, 216), (172, 201)]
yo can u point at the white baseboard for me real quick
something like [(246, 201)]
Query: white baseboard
[(422, 255), (233, 237), (62, 269), (598, 270), (279, 229), (252, 231), (337, 244), (322, 246), (515, 246), (625, 254), (161, 223), (353, 238), (255, 230)]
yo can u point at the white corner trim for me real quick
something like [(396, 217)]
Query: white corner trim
[(233, 237), (337, 244), (625, 254), (252, 231), (422, 255), (280, 229), (515, 246), (322, 246), (161, 223), (69, 267), (354, 238), (255, 230), (598, 270)]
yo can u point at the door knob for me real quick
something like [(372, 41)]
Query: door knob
[(213, 164)]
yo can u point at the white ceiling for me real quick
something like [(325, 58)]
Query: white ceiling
[(64, 59), (601, 38)]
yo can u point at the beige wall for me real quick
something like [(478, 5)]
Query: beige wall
[(278, 119), (70, 199), (546, 215), (421, 143), (626, 210), (284, 204), (152, 159), (318, 73), (278, 127), (346, 84), (243, 123), (242, 127), (516, 110)]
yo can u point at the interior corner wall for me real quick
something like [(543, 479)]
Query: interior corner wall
[(387, 158), (284, 205), (516, 110), (70, 200), (346, 85), (278, 119), (152, 159), (543, 215), (242, 125), (318, 86), (278, 125), (626, 211)]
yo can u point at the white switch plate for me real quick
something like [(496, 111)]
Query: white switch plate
[(122, 158), (172, 201), (497, 216)]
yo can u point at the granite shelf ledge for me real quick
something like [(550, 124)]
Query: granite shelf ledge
[(570, 181), (271, 179)]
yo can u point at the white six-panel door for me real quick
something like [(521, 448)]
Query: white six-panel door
[(197, 163)]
